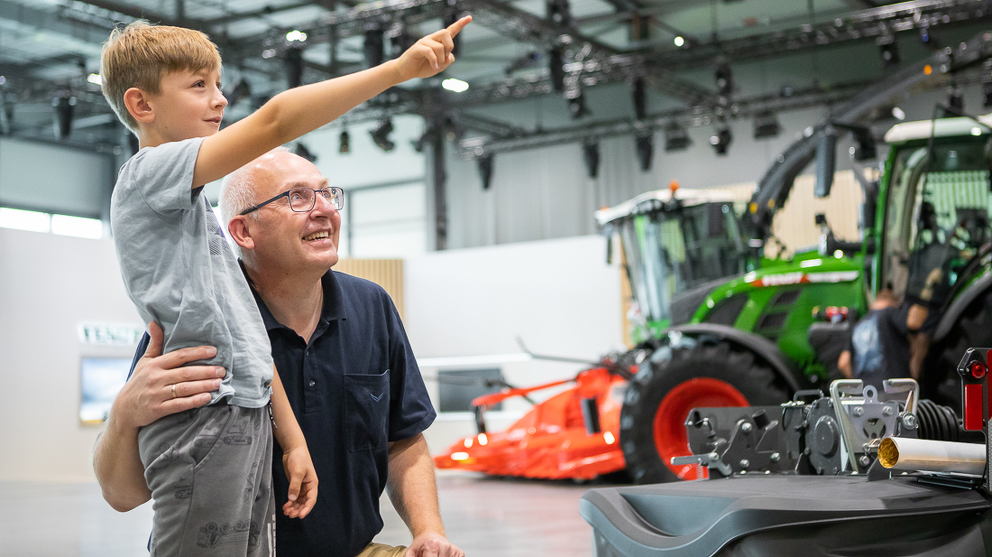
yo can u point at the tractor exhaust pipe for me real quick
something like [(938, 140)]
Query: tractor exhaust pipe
[(900, 453)]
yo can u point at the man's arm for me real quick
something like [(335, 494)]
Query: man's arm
[(413, 492), (146, 397), (300, 110)]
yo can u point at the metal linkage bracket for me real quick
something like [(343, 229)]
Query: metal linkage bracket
[(865, 414)]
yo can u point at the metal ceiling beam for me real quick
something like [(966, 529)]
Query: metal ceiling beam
[(52, 22)]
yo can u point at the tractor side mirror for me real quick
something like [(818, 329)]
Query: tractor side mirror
[(826, 162)]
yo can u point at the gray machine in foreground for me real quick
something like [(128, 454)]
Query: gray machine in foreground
[(783, 506)]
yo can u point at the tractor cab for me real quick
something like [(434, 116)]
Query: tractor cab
[(675, 245), (935, 222)]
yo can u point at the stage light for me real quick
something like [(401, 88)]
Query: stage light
[(590, 155), (640, 99), (454, 85), (645, 150), (559, 12), (374, 48), (676, 137), (721, 140), (889, 50), (380, 135), (345, 143), (93, 78), (240, 90), (556, 64), (296, 36), (766, 125), (301, 150), (293, 58), (64, 104), (486, 170), (576, 104), (724, 80), (679, 42)]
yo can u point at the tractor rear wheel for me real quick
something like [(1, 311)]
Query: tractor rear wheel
[(940, 381), (661, 394)]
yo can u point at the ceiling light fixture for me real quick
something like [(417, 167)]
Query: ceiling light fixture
[(454, 85)]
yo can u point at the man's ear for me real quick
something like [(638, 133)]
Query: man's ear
[(136, 102), (240, 230)]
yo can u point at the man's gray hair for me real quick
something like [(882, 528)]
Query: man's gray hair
[(237, 193)]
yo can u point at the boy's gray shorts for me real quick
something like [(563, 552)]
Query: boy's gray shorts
[(210, 473)]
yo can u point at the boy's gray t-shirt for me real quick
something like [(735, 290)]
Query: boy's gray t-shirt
[(181, 273)]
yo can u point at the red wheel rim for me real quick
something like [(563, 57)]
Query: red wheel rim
[(670, 437)]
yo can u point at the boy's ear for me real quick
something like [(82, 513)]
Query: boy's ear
[(240, 230), (137, 104)]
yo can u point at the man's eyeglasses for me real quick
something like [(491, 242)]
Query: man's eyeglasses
[(302, 200)]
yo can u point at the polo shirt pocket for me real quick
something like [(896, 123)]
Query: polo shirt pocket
[(366, 410)]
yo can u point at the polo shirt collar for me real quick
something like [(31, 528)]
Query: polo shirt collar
[(333, 302)]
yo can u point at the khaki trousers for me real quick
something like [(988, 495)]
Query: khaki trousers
[(381, 550)]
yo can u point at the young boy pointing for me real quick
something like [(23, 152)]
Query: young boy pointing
[(209, 469)]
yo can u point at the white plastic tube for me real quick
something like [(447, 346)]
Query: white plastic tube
[(898, 453)]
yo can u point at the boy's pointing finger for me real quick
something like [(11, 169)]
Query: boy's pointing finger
[(457, 26)]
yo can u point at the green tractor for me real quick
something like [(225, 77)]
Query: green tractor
[(724, 325)]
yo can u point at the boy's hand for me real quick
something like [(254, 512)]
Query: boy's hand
[(431, 54), (302, 482)]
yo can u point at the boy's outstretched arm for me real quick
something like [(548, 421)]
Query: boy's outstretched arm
[(295, 455), (298, 111)]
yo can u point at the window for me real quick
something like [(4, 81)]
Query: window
[(65, 225)]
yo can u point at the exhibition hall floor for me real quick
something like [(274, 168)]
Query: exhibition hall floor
[(487, 517)]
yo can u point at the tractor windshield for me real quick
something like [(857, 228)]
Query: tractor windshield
[(938, 211), (675, 249)]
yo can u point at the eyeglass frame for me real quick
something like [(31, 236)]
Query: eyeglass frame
[(313, 200)]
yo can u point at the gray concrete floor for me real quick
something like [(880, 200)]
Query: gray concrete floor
[(486, 517)]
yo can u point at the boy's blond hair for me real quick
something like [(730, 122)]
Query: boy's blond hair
[(140, 54)]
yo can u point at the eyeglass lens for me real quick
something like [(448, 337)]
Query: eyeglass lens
[(302, 199)]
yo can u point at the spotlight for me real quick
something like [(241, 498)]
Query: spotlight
[(374, 48), (645, 150), (721, 140), (293, 58), (864, 147), (64, 104), (955, 101), (345, 146), (559, 12), (301, 150), (380, 135), (724, 80), (766, 125), (676, 137), (240, 90), (640, 99), (590, 154), (557, 66), (486, 170), (889, 50), (576, 104)]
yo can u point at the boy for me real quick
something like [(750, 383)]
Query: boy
[(209, 470)]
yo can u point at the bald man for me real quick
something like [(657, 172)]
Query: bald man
[(344, 360)]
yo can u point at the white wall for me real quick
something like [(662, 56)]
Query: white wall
[(48, 285), (559, 296)]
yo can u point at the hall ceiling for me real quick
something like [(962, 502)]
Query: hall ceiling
[(48, 48)]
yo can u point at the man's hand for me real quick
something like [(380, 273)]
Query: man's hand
[(430, 55), (148, 395), (432, 544), (302, 482)]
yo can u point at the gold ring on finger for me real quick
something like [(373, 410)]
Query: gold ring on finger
[(173, 390)]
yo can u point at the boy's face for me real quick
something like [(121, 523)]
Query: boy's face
[(189, 104)]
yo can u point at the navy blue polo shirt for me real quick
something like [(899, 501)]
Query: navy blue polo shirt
[(354, 388)]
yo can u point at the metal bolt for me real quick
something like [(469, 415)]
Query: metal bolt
[(774, 457), (864, 460), (746, 427), (909, 421), (745, 463), (887, 411), (858, 411)]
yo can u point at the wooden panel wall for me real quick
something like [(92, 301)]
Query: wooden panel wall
[(387, 273)]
